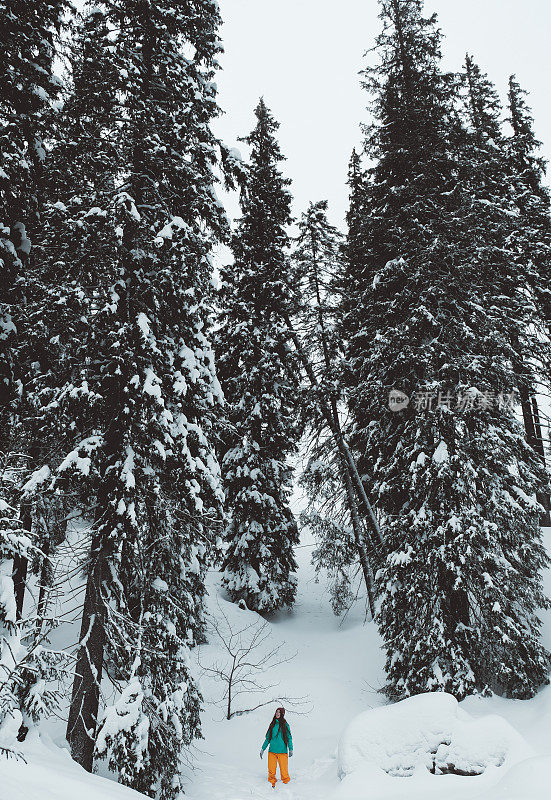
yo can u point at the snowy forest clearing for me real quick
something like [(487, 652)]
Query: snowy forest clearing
[(338, 685), (158, 415)]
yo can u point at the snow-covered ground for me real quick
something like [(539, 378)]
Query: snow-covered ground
[(336, 672)]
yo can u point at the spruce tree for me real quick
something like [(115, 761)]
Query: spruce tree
[(58, 308), (317, 255), (140, 382), (27, 87), (526, 172), (354, 247), (259, 377), (496, 222), (80, 268), (450, 473), (527, 169)]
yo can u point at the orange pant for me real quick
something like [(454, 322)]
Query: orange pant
[(273, 759)]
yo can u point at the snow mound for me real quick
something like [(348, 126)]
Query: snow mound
[(428, 730), (44, 771)]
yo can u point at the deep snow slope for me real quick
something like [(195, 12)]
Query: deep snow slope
[(339, 668), (335, 674), (50, 774), (336, 671)]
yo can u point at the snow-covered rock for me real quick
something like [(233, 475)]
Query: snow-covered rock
[(429, 730)]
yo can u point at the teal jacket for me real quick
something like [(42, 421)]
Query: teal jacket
[(277, 745)]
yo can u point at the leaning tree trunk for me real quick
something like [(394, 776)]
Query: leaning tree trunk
[(359, 539), (340, 441), (355, 490)]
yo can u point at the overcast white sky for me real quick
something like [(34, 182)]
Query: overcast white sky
[(304, 56)]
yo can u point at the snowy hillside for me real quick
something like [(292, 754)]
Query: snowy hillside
[(337, 670), (340, 668)]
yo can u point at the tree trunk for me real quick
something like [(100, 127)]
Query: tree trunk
[(532, 426), (342, 446), (83, 713), (359, 541), (228, 714), (19, 577), (455, 603), (357, 526), (21, 565), (44, 585)]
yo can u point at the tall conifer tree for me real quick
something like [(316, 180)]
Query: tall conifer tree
[(526, 172), (27, 87), (80, 269), (502, 239), (141, 384), (450, 474), (259, 377)]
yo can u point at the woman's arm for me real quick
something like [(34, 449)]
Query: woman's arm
[(290, 738)]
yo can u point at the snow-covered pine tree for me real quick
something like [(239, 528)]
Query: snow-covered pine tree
[(74, 266), (526, 172), (78, 267), (450, 473), (27, 87), (169, 497), (501, 227), (260, 379), (354, 247), (317, 256), (143, 390)]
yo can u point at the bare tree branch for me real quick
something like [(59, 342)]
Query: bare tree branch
[(247, 660)]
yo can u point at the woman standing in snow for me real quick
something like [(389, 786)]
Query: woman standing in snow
[(280, 740)]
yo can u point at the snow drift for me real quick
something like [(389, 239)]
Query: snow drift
[(428, 730), (47, 772)]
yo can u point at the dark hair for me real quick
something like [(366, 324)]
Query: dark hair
[(283, 728)]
